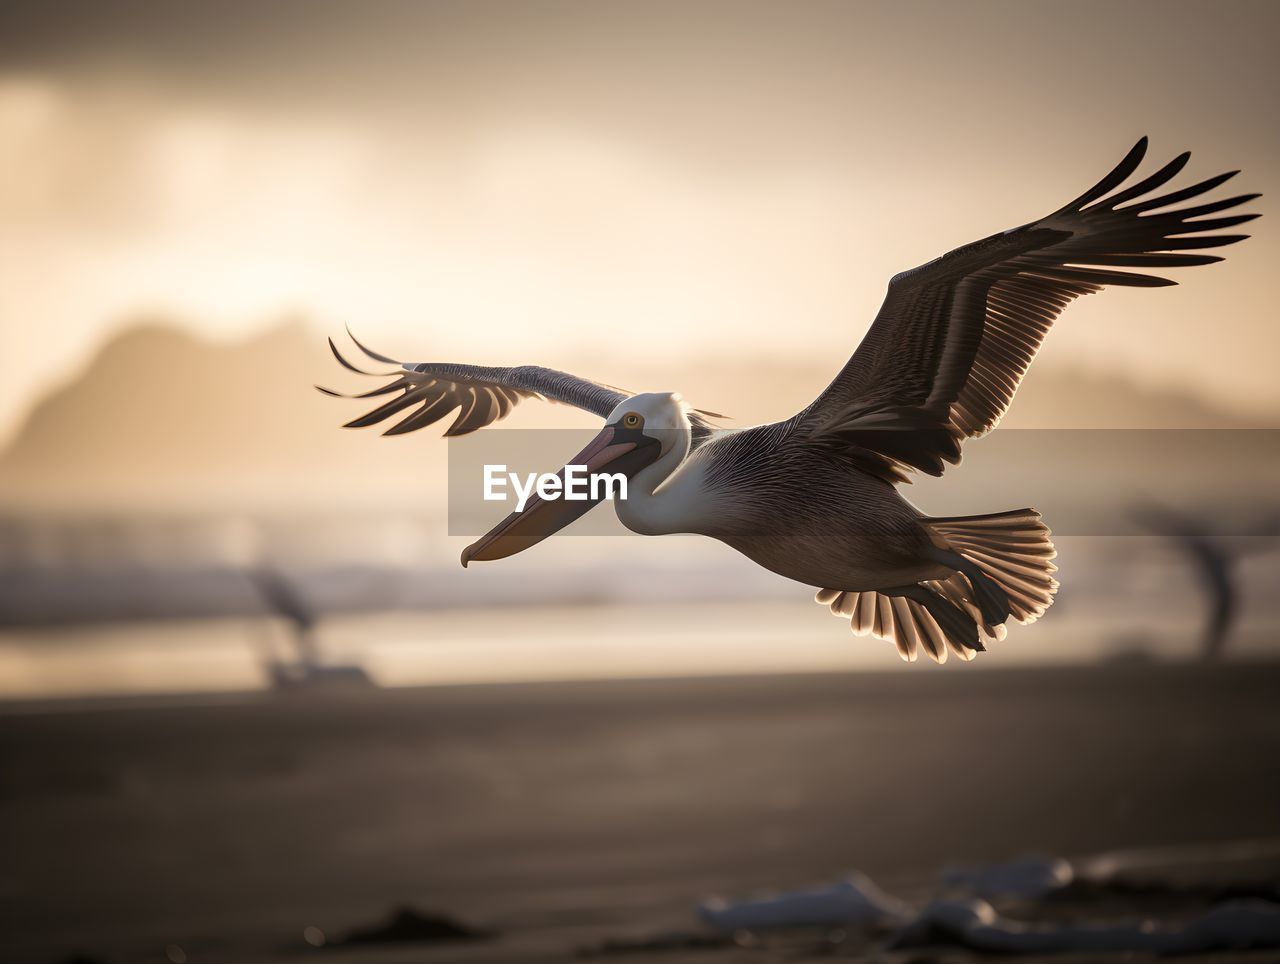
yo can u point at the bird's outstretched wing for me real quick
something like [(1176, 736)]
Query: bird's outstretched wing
[(954, 337), (425, 392)]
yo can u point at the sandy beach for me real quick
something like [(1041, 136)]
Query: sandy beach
[(562, 816)]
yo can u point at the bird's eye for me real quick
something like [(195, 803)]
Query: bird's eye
[(632, 420)]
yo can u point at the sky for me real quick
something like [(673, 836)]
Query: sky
[(564, 183)]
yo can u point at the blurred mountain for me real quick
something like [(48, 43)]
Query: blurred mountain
[(161, 418)]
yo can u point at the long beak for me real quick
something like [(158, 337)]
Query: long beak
[(541, 518)]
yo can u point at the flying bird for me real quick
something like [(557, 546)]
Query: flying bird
[(815, 497)]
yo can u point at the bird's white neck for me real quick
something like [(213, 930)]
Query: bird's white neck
[(662, 498)]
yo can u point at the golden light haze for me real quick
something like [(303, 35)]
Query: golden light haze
[(607, 186)]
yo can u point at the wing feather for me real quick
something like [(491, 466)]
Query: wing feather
[(480, 395), (954, 337)]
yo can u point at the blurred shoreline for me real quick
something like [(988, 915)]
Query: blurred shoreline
[(565, 814), (214, 659)]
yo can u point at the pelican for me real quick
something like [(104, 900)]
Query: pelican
[(815, 497)]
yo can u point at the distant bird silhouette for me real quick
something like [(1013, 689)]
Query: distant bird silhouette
[(284, 599), (1215, 559)]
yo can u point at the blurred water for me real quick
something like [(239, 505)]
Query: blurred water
[(118, 622), (519, 644)]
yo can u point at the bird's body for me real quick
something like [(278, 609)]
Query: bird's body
[(789, 508), (814, 497)]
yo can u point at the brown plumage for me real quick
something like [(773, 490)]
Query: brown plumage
[(814, 497)]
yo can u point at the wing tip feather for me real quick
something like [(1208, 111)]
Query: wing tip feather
[(376, 356)]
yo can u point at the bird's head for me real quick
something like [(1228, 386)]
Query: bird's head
[(640, 431), (650, 417)]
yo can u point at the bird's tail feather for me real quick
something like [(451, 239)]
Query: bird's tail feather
[(906, 623), (1013, 548)]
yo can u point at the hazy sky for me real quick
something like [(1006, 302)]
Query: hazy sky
[(536, 182)]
